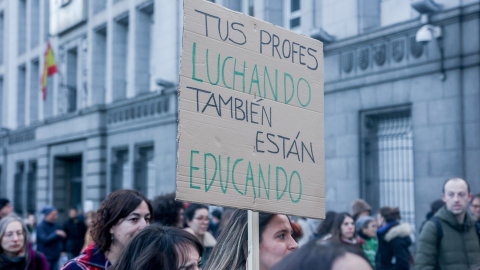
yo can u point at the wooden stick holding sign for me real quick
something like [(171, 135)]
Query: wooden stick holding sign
[(253, 241)]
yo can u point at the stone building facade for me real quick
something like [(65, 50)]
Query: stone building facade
[(109, 120), (400, 116)]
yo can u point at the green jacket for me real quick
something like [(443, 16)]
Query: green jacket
[(459, 247), (370, 248)]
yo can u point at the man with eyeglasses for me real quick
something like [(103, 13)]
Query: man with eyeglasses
[(475, 208), (449, 240)]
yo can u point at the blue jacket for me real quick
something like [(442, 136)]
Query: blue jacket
[(48, 241)]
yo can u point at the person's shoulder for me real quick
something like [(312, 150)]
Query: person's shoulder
[(41, 224), (401, 230), (429, 226), (75, 265), (209, 240), (40, 259), (430, 231), (81, 262), (361, 241), (38, 254)]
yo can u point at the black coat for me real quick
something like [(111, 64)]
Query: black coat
[(393, 242), (75, 230)]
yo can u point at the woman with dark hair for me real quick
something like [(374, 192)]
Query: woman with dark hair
[(324, 255), (197, 219), (393, 241), (326, 226), (159, 247), (343, 231), (167, 211), (15, 251), (121, 216), (231, 251)]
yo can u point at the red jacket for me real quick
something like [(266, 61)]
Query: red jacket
[(90, 259)]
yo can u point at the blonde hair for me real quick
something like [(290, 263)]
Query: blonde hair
[(231, 251)]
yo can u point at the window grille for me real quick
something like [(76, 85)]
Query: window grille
[(387, 161)]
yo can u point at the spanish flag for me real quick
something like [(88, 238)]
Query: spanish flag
[(49, 68)]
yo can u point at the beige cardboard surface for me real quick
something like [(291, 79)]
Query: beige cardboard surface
[(250, 114)]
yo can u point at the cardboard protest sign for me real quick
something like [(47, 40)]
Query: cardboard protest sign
[(250, 114)]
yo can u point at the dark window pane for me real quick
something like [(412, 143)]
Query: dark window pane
[(32, 188), (18, 188), (295, 22), (294, 5), (120, 169), (144, 169)]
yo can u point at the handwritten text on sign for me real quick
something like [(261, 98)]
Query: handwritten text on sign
[(251, 114)]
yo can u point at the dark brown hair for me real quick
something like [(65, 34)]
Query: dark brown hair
[(327, 225), (158, 247), (192, 208), (337, 226), (390, 214), (166, 209), (319, 255), (115, 207), (455, 178)]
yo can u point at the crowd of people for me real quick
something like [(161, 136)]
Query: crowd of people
[(129, 232)]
